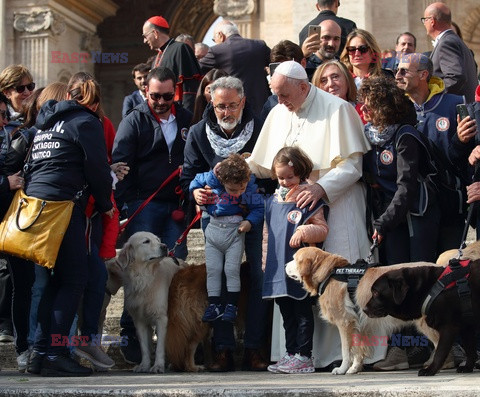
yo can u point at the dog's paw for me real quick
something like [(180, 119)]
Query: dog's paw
[(426, 372), (353, 370), (339, 371), (141, 368), (157, 369), (463, 369)]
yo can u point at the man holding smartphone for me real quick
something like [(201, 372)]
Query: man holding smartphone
[(323, 46)]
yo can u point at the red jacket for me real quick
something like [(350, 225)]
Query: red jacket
[(110, 226)]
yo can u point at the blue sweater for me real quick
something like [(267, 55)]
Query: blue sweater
[(228, 205)]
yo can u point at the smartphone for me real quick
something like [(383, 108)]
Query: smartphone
[(272, 67), (462, 111), (314, 29)]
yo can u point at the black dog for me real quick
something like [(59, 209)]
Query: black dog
[(401, 294)]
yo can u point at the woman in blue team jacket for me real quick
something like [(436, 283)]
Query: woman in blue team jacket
[(68, 159), (403, 203)]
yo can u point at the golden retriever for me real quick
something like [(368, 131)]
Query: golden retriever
[(471, 251), (311, 266), (187, 301), (147, 274)]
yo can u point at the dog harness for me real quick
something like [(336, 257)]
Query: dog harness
[(455, 274), (351, 275)]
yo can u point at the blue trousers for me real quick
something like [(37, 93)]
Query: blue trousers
[(66, 283)]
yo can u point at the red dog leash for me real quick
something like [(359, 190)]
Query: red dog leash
[(183, 236), (142, 206)]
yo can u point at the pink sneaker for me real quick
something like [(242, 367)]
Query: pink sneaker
[(285, 359), (297, 365)]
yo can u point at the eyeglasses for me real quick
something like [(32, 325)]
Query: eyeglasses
[(3, 113), (362, 49), (403, 71), (223, 108), (146, 34), (425, 18), (155, 96), (20, 88)]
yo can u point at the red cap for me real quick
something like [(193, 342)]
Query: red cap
[(159, 21), (477, 94)]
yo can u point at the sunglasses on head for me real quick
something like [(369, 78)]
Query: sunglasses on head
[(362, 49), (20, 88), (167, 96)]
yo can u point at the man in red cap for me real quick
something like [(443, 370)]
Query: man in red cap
[(176, 56)]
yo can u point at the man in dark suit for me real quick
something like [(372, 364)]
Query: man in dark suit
[(242, 58), (452, 60), (328, 10), (406, 44), (139, 74)]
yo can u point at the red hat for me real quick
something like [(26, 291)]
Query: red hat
[(159, 21), (477, 94)]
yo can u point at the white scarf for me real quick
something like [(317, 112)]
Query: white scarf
[(224, 147)]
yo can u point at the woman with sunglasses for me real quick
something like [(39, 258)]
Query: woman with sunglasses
[(16, 83), (362, 56), (68, 163)]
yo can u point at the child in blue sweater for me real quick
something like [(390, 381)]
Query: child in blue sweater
[(236, 208)]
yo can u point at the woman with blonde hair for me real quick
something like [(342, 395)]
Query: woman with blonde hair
[(70, 164), (362, 55), (334, 77)]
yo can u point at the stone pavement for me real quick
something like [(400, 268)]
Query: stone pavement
[(127, 383)]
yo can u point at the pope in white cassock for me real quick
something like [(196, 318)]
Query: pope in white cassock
[(330, 131)]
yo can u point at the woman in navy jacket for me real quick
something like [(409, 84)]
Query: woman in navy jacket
[(68, 161), (403, 203)]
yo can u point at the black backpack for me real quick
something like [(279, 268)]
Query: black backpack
[(444, 177)]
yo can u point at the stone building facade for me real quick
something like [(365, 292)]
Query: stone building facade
[(56, 38)]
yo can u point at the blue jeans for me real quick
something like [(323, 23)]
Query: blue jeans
[(256, 321), (155, 218)]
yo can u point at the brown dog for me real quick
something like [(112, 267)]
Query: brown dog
[(401, 293), (312, 266)]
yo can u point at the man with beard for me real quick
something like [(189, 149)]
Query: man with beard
[(318, 52), (229, 126), (139, 74), (151, 140)]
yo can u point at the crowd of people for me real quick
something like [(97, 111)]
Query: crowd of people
[(317, 143)]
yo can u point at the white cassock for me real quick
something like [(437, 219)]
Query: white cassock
[(330, 132)]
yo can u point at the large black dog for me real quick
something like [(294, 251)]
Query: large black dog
[(401, 294)]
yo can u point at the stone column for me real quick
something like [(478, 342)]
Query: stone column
[(239, 11), (34, 29)]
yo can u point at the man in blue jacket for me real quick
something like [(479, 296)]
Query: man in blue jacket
[(151, 140), (437, 118), (139, 74)]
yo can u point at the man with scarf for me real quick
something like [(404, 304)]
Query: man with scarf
[(228, 126)]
